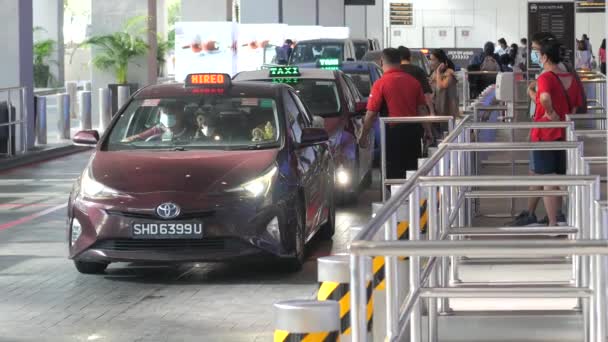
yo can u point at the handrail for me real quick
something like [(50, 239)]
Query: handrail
[(588, 116), (520, 125), (391, 206), (516, 146), (591, 133), (485, 248), (12, 88)]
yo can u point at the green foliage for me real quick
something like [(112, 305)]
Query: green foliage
[(116, 50), (42, 50)]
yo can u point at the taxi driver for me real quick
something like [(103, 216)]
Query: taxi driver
[(170, 125)]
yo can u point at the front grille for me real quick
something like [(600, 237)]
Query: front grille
[(131, 245), (144, 216)]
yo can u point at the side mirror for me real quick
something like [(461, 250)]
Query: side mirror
[(313, 136), (361, 107), (86, 138)]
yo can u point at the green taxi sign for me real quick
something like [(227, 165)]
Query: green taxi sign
[(329, 62), (284, 71)]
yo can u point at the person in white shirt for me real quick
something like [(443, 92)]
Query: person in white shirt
[(503, 47)]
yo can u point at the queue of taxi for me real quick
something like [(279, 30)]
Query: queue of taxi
[(221, 169)]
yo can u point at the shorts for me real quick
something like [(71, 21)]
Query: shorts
[(548, 162)]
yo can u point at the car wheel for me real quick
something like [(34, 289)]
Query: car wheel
[(295, 263), (327, 230), (90, 267)]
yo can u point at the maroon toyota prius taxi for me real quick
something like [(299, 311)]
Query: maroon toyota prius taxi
[(209, 170)]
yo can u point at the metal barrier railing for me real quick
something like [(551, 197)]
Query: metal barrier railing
[(450, 163), (15, 127)]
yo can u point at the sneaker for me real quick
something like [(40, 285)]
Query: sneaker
[(561, 220), (523, 219)]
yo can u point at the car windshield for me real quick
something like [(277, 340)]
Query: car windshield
[(312, 52), (419, 59), (201, 122), (361, 49), (363, 82), (321, 96)]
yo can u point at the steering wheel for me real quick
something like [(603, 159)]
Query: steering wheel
[(154, 137)]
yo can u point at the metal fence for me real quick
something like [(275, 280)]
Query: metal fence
[(446, 177), (13, 128)]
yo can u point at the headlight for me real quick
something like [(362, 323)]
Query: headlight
[(259, 186), (342, 176), (93, 189)]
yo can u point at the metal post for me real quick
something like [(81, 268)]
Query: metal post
[(443, 222), (358, 298), (63, 108), (105, 108), (10, 129), (123, 96), (84, 110), (383, 158), (453, 193), (433, 234), (414, 231), (41, 120), (392, 279), (71, 89), (600, 279)]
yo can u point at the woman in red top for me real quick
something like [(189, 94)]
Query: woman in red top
[(558, 94)]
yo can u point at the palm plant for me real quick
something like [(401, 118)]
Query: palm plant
[(43, 49), (117, 50)]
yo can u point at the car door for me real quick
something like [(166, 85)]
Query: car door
[(365, 155), (308, 162)]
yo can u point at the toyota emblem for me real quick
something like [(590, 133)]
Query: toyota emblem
[(168, 211)]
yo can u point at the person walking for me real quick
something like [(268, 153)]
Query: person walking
[(602, 54), (503, 47), (558, 94), (583, 56), (444, 83), (418, 74), (403, 97)]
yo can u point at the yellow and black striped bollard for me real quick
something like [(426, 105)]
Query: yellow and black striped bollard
[(307, 321), (333, 276)]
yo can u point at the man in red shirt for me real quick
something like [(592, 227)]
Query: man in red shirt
[(402, 96)]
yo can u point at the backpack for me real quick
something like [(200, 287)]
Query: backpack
[(489, 63)]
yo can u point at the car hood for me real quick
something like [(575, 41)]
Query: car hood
[(187, 171)]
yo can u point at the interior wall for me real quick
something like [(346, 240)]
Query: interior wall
[(300, 12), (331, 12), (251, 13)]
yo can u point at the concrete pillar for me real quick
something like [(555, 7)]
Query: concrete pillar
[(16, 60), (300, 12), (109, 16), (251, 13), (355, 20), (207, 10), (331, 13), (48, 14)]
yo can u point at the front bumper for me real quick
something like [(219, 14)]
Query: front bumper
[(230, 231)]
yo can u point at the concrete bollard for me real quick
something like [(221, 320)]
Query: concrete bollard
[(105, 108), (307, 320), (63, 110), (84, 110), (123, 96), (71, 88), (41, 130), (333, 275)]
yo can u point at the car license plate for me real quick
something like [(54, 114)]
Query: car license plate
[(168, 230)]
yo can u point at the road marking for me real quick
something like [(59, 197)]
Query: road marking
[(32, 217), (32, 194), (23, 205), (49, 180)]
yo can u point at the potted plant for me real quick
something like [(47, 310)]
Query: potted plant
[(43, 49), (115, 52)]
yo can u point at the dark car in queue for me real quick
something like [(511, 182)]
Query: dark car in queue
[(364, 75), (311, 51), (329, 95), (419, 58), (212, 170)]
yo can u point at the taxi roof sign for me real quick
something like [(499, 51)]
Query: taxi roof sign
[(284, 71), (329, 62), (208, 80)]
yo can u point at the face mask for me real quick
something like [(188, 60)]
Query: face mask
[(536, 58), (167, 120)]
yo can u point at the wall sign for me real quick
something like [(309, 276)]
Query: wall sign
[(402, 13), (557, 18), (590, 6), (462, 58)]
